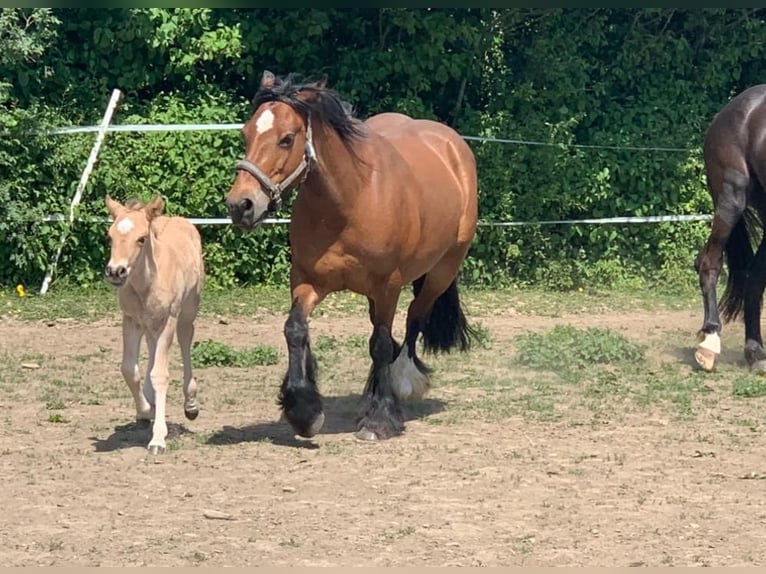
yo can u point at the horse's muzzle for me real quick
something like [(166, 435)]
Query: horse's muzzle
[(243, 214)]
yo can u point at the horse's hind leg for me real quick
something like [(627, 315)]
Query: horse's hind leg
[(729, 188), (131, 346), (436, 312), (753, 300), (185, 338), (380, 413)]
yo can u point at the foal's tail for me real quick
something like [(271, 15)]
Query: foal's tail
[(739, 258), (446, 326)]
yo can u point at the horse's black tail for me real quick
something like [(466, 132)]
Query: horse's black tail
[(739, 258), (446, 326)]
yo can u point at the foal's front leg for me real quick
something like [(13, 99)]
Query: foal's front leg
[(299, 397), (159, 346), (131, 346)]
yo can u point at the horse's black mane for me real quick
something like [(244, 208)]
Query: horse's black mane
[(325, 106)]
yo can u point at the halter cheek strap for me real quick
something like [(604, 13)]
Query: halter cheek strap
[(277, 191)]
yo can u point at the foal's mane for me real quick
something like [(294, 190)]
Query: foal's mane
[(324, 104)]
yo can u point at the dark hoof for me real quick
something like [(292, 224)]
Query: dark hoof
[(143, 423), (192, 413), (371, 431), (312, 429), (155, 449), (366, 435)]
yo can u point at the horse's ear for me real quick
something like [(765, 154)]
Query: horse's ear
[(114, 207), (268, 79), (310, 94), (155, 207), (321, 83)]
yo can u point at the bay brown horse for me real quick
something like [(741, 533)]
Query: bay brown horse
[(381, 204), (735, 168)]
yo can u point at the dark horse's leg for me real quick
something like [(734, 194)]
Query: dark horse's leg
[(728, 188), (753, 300), (299, 397), (380, 413)]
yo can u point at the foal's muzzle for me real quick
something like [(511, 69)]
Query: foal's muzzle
[(116, 275)]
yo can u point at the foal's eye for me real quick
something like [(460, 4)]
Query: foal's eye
[(287, 141), (140, 241)]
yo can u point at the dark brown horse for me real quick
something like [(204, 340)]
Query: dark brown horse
[(381, 204), (735, 166)]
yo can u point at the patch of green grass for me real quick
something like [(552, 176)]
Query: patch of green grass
[(324, 343), (211, 353), (482, 336), (749, 387), (566, 347), (100, 301), (57, 418)]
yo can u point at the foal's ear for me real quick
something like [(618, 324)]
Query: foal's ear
[(268, 79), (114, 207), (154, 207)]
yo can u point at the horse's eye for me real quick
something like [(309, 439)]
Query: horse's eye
[(287, 141)]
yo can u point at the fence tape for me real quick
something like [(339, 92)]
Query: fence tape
[(590, 221), (211, 127)]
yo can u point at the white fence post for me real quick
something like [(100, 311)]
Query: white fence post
[(81, 186)]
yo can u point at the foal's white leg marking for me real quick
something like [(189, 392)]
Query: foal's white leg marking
[(185, 337), (159, 376), (125, 225), (711, 342), (131, 345), (406, 378), (264, 122)]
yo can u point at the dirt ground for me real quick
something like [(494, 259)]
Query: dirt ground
[(642, 488)]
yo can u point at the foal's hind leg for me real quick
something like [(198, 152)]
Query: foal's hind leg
[(730, 205), (185, 338)]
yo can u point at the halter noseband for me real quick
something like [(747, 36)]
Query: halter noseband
[(276, 191)]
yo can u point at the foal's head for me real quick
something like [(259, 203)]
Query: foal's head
[(279, 149), (128, 235)]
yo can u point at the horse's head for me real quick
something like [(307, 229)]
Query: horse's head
[(278, 150), (128, 235)]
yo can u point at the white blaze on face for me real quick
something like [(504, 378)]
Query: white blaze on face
[(264, 122), (125, 226)]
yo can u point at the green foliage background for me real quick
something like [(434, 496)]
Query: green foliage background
[(613, 77)]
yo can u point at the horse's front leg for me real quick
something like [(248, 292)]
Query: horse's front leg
[(299, 397), (381, 414), (160, 343)]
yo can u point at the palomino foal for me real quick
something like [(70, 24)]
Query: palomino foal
[(156, 263)]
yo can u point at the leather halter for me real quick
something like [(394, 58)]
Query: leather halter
[(277, 191)]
